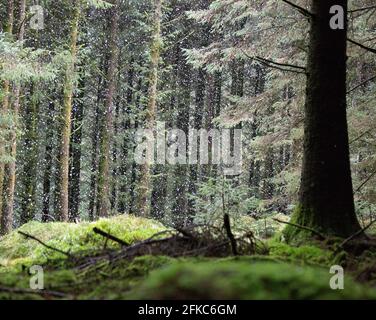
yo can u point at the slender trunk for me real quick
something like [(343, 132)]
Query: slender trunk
[(144, 183), (124, 153), (29, 173), (63, 180), (48, 163), (8, 170), (75, 155), (326, 194), (104, 205)]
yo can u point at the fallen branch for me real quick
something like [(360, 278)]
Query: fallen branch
[(357, 234), (110, 237), (30, 291), (28, 236), (320, 235)]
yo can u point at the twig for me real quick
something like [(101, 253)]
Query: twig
[(322, 237), (365, 182), (276, 65), (303, 11), (281, 64), (110, 236), (44, 244), (361, 84), (30, 291), (357, 234), (362, 9), (372, 50)]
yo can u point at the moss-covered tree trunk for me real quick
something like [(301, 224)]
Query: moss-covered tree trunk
[(104, 205), (7, 175), (144, 181), (63, 175), (326, 194)]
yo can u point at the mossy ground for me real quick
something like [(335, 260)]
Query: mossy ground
[(282, 272)]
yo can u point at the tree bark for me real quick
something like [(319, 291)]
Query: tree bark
[(144, 183), (326, 194), (63, 179), (104, 205)]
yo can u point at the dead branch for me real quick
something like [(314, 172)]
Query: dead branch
[(362, 9), (355, 235), (28, 236), (365, 182), (372, 50), (303, 11), (30, 291), (110, 237), (361, 84), (281, 64), (321, 236)]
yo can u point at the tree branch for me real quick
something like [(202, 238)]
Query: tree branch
[(30, 291), (281, 64), (361, 84), (320, 235), (303, 11), (362, 9), (28, 236), (277, 65), (365, 182), (357, 234), (110, 237), (372, 50)]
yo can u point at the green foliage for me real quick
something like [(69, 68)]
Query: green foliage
[(221, 194), (304, 255)]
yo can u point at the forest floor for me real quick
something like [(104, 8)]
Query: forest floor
[(149, 261)]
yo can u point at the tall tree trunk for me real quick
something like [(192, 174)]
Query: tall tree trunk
[(94, 154), (46, 216), (63, 175), (75, 154), (104, 205), (8, 170), (144, 183), (326, 194), (30, 169)]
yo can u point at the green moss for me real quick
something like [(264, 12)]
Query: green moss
[(74, 238), (308, 254), (115, 282), (244, 280)]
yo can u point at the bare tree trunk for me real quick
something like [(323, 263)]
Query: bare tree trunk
[(104, 205), (63, 175), (155, 48)]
